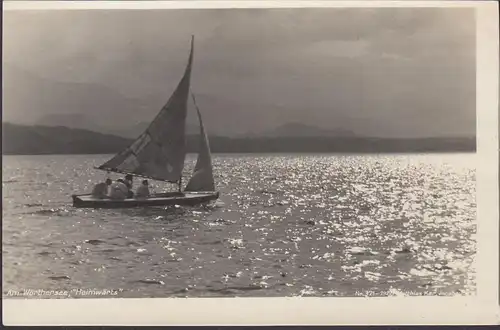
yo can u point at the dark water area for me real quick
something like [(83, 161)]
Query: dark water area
[(285, 225)]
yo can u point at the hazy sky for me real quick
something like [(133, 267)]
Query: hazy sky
[(385, 72)]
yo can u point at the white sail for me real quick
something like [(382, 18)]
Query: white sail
[(160, 151), (202, 178)]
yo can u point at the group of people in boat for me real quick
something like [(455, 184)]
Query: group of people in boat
[(121, 189)]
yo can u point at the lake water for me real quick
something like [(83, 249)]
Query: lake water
[(285, 225)]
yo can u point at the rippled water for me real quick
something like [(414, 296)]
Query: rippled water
[(285, 225)]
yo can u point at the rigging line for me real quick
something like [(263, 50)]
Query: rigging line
[(194, 101)]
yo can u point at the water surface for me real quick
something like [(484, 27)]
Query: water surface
[(285, 225)]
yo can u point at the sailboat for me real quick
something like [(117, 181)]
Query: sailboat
[(159, 154)]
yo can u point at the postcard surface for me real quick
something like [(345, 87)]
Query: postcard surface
[(250, 162)]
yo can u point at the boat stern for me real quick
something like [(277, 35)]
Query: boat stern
[(77, 201)]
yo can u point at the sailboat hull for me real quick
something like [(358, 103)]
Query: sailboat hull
[(159, 154), (162, 199)]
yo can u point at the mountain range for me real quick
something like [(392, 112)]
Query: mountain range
[(25, 140), (80, 121), (33, 100), (26, 96)]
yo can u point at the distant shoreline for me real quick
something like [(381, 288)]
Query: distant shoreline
[(45, 140)]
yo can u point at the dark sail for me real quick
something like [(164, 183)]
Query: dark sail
[(160, 151)]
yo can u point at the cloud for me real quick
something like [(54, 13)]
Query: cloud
[(397, 71)]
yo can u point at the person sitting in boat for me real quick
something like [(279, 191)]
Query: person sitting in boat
[(143, 190), (101, 189), (129, 182), (118, 190)]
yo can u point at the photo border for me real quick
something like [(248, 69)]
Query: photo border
[(480, 309)]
